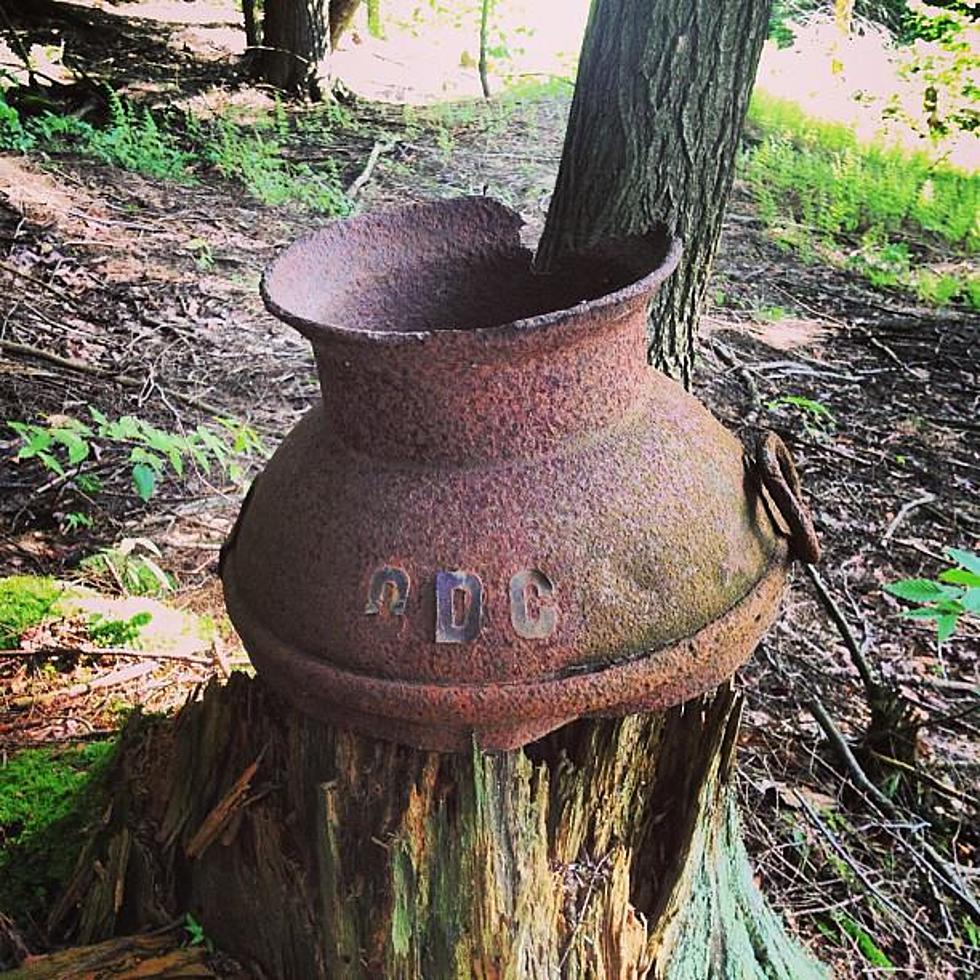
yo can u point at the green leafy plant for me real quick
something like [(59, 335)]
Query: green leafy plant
[(258, 162), (169, 147), (133, 140), (196, 936), (75, 520), (25, 601), (131, 566), (940, 62), (955, 593), (819, 189), (869, 949), (65, 443), (13, 135), (817, 418), (105, 632)]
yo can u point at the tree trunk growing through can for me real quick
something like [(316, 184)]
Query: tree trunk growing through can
[(659, 104), (610, 848)]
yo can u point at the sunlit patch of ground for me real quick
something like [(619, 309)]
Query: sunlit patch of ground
[(781, 332), (856, 80)]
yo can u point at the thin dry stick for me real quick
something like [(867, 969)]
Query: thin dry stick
[(380, 146), (727, 356), (850, 640), (925, 777), (904, 511), (870, 337), (70, 364), (859, 871), (931, 859), (41, 284), (121, 676), (87, 650), (843, 750)]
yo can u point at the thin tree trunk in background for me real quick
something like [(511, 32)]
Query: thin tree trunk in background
[(251, 27), (485, 9), (662, 91), (341, 14), (374, 18)]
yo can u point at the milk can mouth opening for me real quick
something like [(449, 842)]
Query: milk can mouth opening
[(449, 267)]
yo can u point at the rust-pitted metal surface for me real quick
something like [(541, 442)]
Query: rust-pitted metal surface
[(499, 519)]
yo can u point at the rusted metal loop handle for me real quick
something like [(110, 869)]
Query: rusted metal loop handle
[(775, 465)]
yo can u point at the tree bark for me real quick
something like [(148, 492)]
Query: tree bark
[(608, 849), (298, 36), (296, 46), (662, 91)]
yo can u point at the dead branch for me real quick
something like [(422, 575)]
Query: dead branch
[(904, 511), (41, 284), (380, 147), (871, 684), (88, 650), (858, 870), (845, 754), (924, 854), (121, 676), (71, 364), (727, 356), (929, 780)]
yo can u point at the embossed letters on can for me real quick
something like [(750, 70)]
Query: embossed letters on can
[(459, 606), (543, 624), (388, 589)]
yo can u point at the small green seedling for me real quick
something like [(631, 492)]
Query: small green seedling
[(196, 936), (955, 593), (817, 418), (117, 632)]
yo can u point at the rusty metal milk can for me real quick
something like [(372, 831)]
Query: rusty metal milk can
[(500, 518)]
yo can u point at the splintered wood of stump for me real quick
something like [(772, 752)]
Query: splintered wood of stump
[(607, 850)]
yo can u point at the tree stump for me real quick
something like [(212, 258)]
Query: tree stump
[(606, 850)]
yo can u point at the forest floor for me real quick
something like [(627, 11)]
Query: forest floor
[(134, 295)]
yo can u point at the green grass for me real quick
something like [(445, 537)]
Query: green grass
[(25, 601), (180, 148), (256, 161), (821, 189), (48, 797)]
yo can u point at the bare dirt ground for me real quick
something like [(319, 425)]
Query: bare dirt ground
[(107, 303)]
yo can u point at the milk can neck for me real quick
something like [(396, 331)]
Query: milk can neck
[(459, 398), (435, 339)]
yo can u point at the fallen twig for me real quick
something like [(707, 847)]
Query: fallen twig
[(41, 284), (858, 870), (858, 658), (380, 146), (904, 511), (121, 676), (843, 750), (88, 650), (70, 364), (926, 778), (728, 356), (925, 855), (945, 684)]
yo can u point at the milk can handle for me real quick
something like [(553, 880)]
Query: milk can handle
[(779, 476)]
